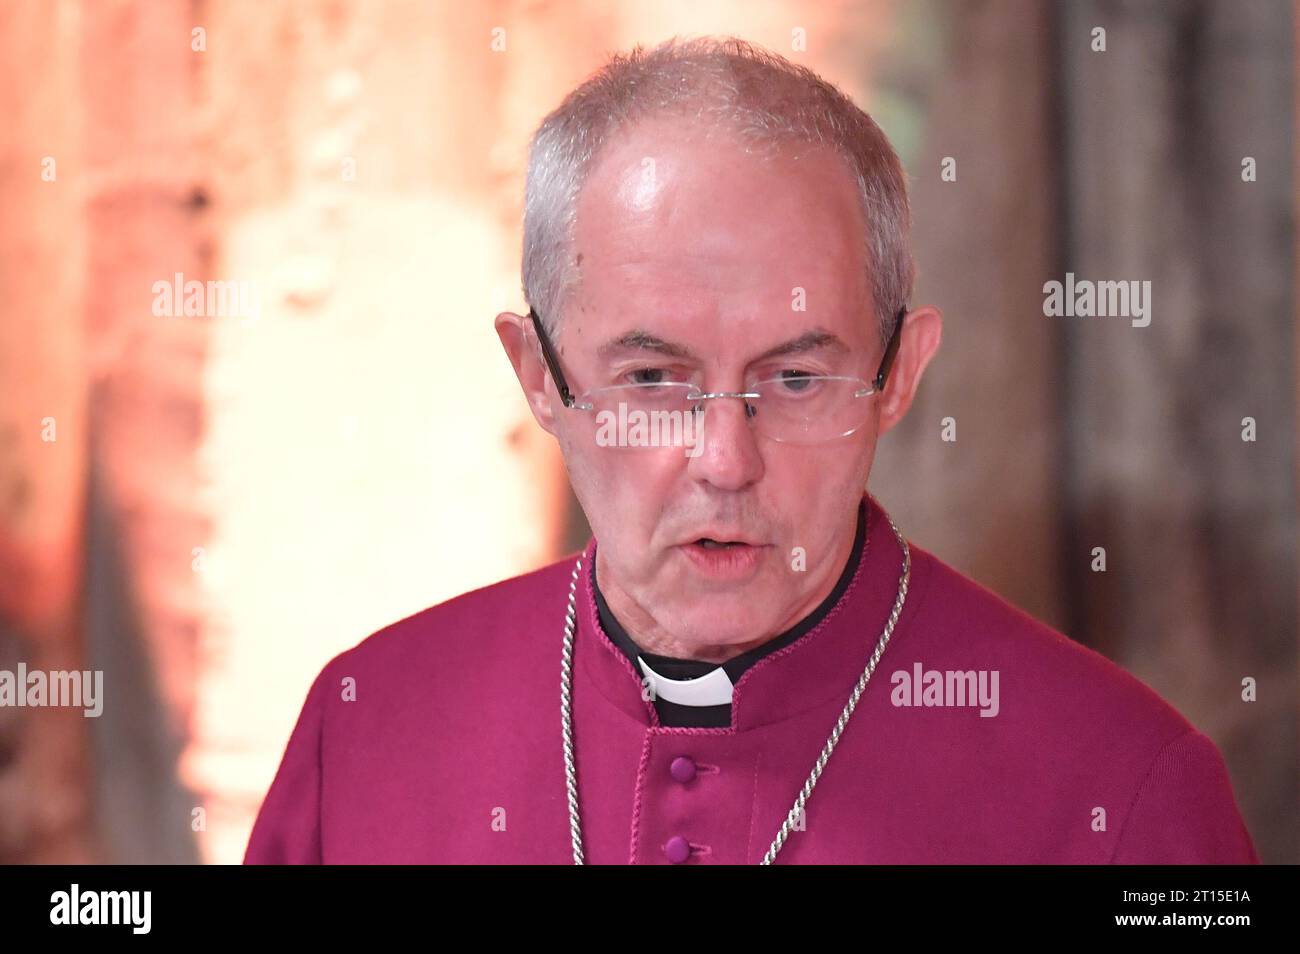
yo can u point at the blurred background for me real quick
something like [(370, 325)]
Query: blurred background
[(207, 507)]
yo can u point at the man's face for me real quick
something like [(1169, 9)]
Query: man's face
[(707, 248)]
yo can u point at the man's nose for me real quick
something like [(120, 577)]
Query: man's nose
[(726, 452)]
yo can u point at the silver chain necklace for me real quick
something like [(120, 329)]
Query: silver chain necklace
[(792, 819)]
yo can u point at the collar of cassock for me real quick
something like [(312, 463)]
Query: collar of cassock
[(689, 692)]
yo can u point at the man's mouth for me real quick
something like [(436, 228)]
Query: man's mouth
[(725, 560), (711, 544)]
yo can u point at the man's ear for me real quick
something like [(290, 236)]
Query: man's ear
[(919, 340), (520, 341)]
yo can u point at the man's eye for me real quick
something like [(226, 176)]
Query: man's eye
[(647, 376), (795, 380)]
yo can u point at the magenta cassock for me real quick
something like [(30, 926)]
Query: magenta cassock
[(446, 747)]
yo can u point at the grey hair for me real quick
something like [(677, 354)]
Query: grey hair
[(724, 82)]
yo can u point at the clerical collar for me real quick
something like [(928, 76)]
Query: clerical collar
[(691, 692)]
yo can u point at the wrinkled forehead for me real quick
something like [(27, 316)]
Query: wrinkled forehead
[(677, 220)]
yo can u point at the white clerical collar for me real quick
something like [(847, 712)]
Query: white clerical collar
[(713, 689)]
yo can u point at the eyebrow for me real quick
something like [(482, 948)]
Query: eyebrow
[(814, 340), (638, 340)]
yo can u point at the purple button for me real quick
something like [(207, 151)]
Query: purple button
[(682, 769), (678, 849)]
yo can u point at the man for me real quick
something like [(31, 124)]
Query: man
[(747, 663)]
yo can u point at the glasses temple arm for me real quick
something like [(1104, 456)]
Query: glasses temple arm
[(552, 363), (891, 349)]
